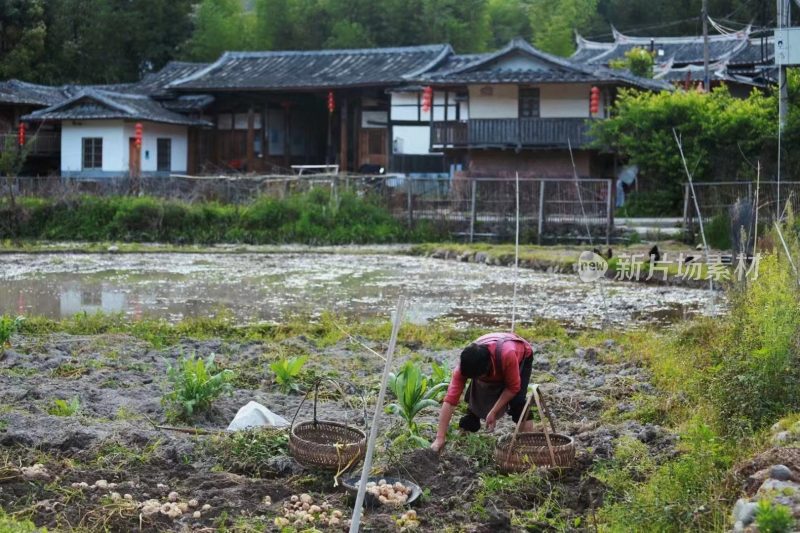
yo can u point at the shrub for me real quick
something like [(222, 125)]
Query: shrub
[(196, 383), (64, 407), (718, 232), (287, 371), (413, 395)]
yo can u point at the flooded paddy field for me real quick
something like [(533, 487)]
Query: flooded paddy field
[(256, 286)]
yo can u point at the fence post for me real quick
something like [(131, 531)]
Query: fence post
[(687, 228), (541, 213), (472, 211), (609, 213), (410, 202)]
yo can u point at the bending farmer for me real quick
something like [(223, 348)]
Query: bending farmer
[(499, 367)]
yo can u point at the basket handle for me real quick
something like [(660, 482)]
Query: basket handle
[(316, 393), (535, 395)]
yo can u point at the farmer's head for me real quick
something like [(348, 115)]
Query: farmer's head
[(475, 360)]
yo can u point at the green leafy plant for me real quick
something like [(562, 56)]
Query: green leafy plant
[(196, 383), (249, 451), (413, 394), (64, 407), (287, 371), (773, 518), (8, 327), (440, 374)]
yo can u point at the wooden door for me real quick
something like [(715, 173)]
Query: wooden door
[(372, 147), (134, 158)]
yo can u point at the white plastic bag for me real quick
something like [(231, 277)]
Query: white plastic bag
[(255, 415)]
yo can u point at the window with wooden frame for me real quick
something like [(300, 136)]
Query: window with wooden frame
[(92, 152), (163, 155), (528, 102)]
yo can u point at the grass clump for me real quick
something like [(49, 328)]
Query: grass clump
[(687, 493), (61, 407), (196, 383), (249, 451), (9, 524), (287, 373), (773, 518), (8, 327)]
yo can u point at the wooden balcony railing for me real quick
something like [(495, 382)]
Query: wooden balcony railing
[(41, 144), (511, 132)]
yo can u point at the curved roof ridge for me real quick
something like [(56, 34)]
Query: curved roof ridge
[(622, 38)]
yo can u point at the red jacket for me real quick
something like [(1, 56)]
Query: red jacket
[(515, 351)]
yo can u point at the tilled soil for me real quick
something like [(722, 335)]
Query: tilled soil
[(119, 382)]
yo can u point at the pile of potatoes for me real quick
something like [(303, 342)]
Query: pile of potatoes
[(389, 494), (301, 511), (408, 520)]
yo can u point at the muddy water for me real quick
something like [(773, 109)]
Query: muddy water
[(267, 286)]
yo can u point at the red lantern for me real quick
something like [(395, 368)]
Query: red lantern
[(21, 134), (138, 134), (594, 100), (427, 99), (331, 102)]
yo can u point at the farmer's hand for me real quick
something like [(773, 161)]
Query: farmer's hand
[(438, 444), (491, 421)]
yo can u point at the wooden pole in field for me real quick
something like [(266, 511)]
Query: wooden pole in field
[(355, 523), (516, 261)]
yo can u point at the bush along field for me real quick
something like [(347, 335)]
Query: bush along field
[(308, 218), (108, 424)]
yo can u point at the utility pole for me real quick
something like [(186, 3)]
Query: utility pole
[(783, 86), (706, 77)]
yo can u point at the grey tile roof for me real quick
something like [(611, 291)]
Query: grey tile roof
[(683, 50), (548, 69), (155, 83), (24, 93), (95, 104), (321, 69)]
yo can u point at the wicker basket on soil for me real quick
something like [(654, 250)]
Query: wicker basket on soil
[(326, 445), (522, 451)]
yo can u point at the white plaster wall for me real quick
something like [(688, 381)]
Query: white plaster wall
[(503, 103), (116, 135), (152, 131), (411, 139), (566, 101), (115, 149), (404, 113)]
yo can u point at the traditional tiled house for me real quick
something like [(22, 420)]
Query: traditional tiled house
[(741, 60), (517, 109)]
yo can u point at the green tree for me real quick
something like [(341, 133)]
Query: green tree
[(274, 27), (555, 21), (22, 38), (716, 129), (507, 20), (347, 34), (462, 23), (219, 26), (638, 61)]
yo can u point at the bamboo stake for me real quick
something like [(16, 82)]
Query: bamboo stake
[(696, 205), (755, 223), (355, 523), (516, 263)]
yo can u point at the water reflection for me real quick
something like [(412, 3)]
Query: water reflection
[(267, 286)]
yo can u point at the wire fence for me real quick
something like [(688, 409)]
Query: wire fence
[(471, 208), (716, 199)]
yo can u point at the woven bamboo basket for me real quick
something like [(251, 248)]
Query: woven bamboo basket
[(326, 445), (522, 451)]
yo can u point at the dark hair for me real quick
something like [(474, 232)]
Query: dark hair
[(475, 360)]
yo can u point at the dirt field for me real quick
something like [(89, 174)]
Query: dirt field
[(119, 382)]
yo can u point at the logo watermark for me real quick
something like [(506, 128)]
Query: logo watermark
[(642, 267)]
